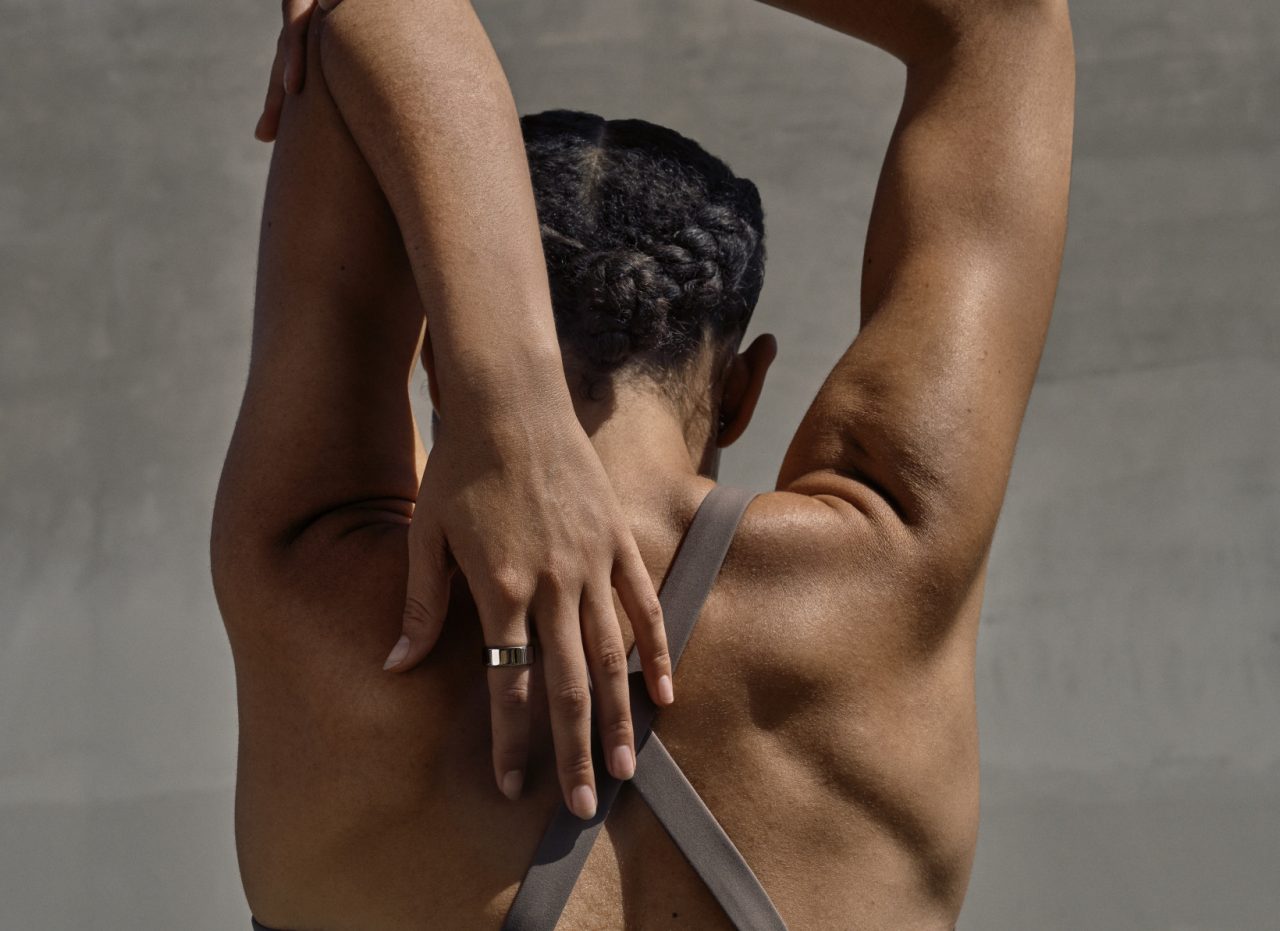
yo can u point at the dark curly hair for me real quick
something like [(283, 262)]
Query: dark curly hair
[(653, 246)]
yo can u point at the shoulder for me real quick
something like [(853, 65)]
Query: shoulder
[(787, 537), (821, 580)]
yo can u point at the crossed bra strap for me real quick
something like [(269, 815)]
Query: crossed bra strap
[(564, 847), (703, 842)]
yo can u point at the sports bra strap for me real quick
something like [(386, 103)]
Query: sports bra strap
[(697, 564), (703, 842), (564, 847)]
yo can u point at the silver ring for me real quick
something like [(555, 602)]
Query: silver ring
[(508, 656)]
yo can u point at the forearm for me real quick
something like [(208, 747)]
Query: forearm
[(426, 101)]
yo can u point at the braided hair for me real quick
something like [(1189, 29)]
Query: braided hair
[(653, 246)]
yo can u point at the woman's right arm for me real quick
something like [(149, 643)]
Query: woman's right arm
[(916, 425), (404, 186)]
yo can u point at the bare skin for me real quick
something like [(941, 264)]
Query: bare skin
[(826, 710), (515, 500)]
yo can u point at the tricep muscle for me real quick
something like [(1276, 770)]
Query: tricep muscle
[(325, 425), (918, 420)]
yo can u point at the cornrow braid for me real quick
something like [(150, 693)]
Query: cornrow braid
[(652, 245)]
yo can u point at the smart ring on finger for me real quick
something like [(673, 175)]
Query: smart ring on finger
[(508, 656)]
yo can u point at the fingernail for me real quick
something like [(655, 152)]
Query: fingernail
[(624, 764), (512, 783), (398, 652), (288, 73), (584, 802), (665, 692)]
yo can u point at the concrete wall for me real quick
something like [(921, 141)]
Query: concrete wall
[(1129, 666)]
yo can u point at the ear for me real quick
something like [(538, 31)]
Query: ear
[(742, 387)]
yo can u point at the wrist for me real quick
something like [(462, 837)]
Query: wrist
[(501, 389)]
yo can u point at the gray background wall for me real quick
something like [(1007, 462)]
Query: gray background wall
[(1129, 663)]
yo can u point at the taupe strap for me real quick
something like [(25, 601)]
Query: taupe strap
[(703, 842), (564, 848)]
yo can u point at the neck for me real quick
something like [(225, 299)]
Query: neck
[(642, 444)]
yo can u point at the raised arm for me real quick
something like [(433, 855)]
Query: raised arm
[(917, 423), (399, 181)]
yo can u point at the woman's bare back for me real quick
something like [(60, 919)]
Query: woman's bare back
[(849, 787)]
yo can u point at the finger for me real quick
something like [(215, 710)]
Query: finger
[(607, 660), (503, 605), (569, 697), (426, 598), (297, 13), (269, 121), (640, 601), (328, 5), (509, 715)]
